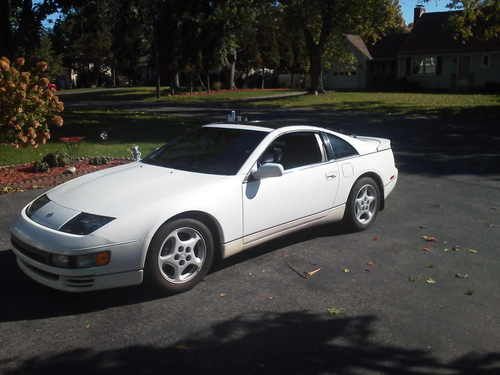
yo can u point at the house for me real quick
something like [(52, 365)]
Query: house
[(431, 57), (428, 56), (350, 74)]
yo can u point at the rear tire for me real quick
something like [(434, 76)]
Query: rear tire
[(363, 204), (179, 256)]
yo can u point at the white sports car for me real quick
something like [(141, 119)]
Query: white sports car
[(208, 194)]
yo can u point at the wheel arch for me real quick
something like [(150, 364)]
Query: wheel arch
[(380, 185), (209, 220)]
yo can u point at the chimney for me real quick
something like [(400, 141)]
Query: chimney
[(417, 13)]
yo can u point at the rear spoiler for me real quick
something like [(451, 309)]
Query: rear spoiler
[(382, 143)]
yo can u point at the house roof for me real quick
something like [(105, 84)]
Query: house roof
[(432, 34), (389, 46), (358, 45)]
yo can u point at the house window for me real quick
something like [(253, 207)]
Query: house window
[(425, 65), (485, 61)]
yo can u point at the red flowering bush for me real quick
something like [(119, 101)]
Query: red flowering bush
[(28, 104)]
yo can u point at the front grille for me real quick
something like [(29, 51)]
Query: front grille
[(79, 282), (31, 251), (42, 273)]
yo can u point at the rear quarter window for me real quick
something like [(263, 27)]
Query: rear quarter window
[(337, 148)]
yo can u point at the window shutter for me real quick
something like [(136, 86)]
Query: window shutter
[(439, 65)]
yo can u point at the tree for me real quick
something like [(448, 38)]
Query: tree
[(480, 19), (5, 28), (322, 20)]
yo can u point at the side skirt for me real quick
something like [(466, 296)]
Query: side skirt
[(254, 239)]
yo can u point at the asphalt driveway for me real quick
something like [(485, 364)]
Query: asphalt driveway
[(381, 303)]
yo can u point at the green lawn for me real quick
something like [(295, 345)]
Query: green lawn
[(484, 105), (148, 130), (147, 94), (125, 129)]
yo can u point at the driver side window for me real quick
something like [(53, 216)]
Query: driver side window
[(293, 150)]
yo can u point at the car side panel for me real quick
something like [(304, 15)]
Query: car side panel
[(380, 163)]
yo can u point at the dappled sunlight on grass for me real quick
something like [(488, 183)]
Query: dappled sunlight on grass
[(147, 94), (393, 102)]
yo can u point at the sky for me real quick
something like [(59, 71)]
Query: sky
[(407, 7)]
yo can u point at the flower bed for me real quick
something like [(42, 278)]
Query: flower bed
[(23, 177)]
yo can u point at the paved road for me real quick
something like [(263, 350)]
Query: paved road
[(254, 314)]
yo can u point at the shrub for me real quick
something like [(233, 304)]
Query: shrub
[(99, 160), (40, 166), (27, 104), (56, 160)]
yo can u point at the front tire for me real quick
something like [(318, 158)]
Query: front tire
[(363, 204), (179, 256)]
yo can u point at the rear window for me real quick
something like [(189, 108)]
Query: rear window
[(337, 148)]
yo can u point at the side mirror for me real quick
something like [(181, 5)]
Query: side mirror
[(268, 170)]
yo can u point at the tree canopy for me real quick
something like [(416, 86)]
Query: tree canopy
[(206, 43)]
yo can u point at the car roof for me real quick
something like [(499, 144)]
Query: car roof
[(267, 127)]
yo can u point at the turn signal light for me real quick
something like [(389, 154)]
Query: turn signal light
[(102, 258)]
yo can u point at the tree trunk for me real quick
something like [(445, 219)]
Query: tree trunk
[(201, 82), (156, 36), (177, 81), (232, 73), (316, 72), (262, 85), (5, 29), (208, 83), (113, 72)]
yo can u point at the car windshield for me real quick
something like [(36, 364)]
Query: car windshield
[(219, 151)]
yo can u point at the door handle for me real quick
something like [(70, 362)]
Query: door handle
[(330, 175)]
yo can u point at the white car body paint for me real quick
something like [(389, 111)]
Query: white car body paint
[(142, 197)]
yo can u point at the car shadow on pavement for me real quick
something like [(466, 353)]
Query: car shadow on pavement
[(279, 343), (25, 299)]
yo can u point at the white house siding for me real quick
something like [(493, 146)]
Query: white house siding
[(451, 77)]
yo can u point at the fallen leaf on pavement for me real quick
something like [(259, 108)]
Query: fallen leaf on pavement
[(222, 294), (430, 280), (459, 275), (346, 270), (429, 238), (311, 273), (446, 249), (456, 248), (370, 263), (412, 279), (469, 292), (375, 238), (427, 249), (473, 251), (333, 311)]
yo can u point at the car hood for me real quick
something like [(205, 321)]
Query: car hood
[(120, 190)]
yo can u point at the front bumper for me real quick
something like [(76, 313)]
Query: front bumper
[(77, 283), (33, 240)]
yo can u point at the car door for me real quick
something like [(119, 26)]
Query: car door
[(307, 186)]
